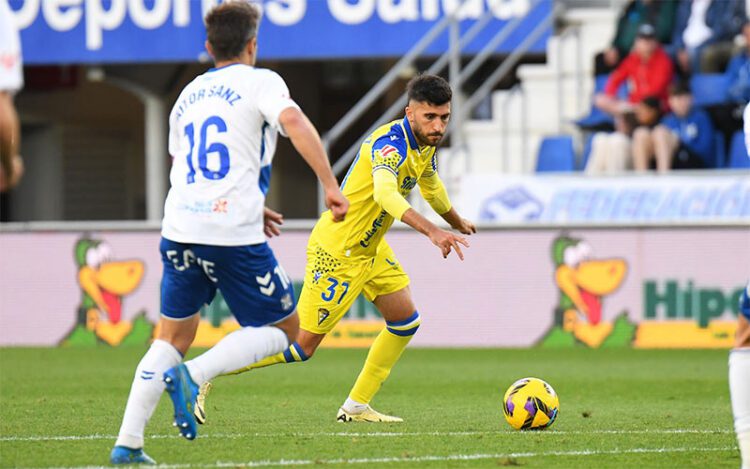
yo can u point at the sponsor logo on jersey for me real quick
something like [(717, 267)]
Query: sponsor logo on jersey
[(204, 207), (220, 206), (376, 224), (322, 315), (316, 276)]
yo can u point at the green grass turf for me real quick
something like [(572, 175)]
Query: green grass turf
[(619, 408)]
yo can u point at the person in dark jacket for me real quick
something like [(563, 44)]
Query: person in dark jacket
[(738, 71), (659, 13), (683, 140)]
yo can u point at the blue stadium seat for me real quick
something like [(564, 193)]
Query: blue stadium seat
[(556, 154), (709, 89), (597, 119), (738, 157)]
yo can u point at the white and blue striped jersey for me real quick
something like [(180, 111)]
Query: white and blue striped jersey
[(222, 137)]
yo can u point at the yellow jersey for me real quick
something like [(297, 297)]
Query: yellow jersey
[(392, 147)]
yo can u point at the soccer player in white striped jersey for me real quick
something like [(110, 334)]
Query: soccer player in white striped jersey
[(739, 358), (223, 131)]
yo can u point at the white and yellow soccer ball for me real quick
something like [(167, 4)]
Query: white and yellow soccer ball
[(530, 404)]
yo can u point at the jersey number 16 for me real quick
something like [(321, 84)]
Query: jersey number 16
[(204, 149)]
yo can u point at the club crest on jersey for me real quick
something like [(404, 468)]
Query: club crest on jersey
[(322, 315), (408, 184), (220, 206), (316, 276)]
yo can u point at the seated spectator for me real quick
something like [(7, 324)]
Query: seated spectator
[(683, 140), (649, 71), (703, 34), (738, 71), (611, 152), (727, 117), (659, 13)]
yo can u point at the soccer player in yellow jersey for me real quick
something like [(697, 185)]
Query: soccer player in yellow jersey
[(349, 257)]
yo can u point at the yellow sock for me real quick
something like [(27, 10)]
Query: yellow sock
[(383, 355), (293, 354)]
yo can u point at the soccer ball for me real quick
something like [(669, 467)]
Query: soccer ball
[(530, 404)]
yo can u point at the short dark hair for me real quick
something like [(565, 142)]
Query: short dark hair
[(652, 101), (678, 88), (229, 26), (429, 89)]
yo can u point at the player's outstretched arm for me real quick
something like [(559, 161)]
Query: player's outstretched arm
[(306, 141), (433, 191), (443, 239), (386, 194), (457, 223)]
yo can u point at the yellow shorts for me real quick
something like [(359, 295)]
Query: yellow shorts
[(332, 284)]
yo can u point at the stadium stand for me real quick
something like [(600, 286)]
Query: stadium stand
[(709, 89)]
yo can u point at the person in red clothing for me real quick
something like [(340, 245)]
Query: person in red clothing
[(649, 72)]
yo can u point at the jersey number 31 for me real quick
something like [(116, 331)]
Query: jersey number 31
[(204, 149)]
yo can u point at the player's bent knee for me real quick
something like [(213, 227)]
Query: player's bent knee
[(406, 328)]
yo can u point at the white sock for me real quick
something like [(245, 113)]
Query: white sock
[(353, 407), (744, 441), (739, 388), (237, 350), (146, 391)]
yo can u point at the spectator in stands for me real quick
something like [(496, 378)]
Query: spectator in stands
[(11, 80), (738, 72), (683, 140), (703, 34), (659, 13), (649, 70), (727, 117), (611, 153)]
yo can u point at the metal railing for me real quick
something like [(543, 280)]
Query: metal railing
[(460, 110), (505, 67), (575, 32)]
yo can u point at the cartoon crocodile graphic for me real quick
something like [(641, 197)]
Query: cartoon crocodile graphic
[(583, 283), (104, 283)]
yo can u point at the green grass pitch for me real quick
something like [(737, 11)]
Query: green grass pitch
[(619, 408)]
